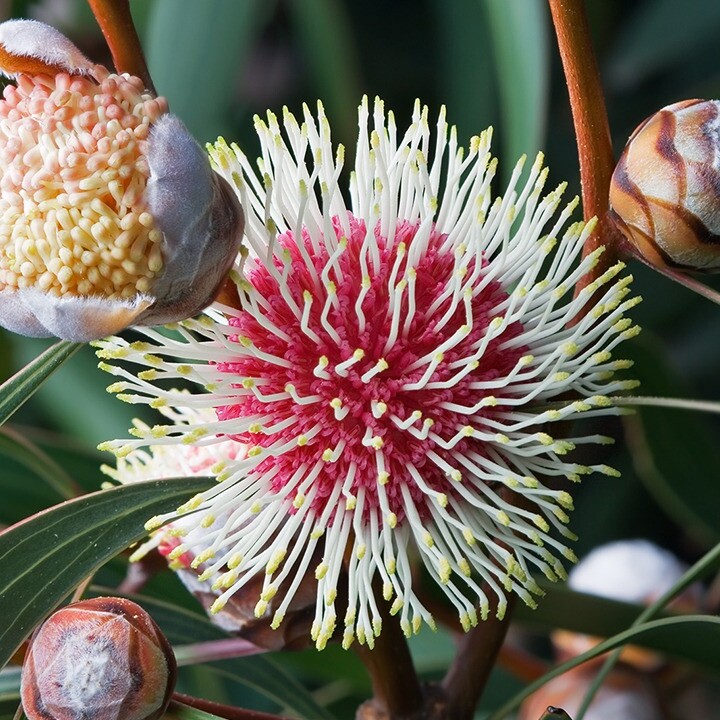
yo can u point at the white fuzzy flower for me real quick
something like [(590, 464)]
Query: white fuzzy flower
[(396, 362)]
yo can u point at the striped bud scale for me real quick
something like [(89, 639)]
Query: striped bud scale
[(110, 214), (104, 659), (664, 191)]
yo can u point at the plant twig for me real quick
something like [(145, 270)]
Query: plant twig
[(477, 651), (395, 684), (223, 711), (117, 26), (592, 129), (211, 650)]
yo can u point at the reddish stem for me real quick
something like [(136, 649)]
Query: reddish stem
[(117, 26), (592, 129), (223, 711), (476, 656), (396, 687)]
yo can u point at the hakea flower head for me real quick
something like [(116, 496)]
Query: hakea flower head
[(395, 367), (109, 211)]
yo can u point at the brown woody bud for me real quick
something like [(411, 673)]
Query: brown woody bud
[(104, 659)]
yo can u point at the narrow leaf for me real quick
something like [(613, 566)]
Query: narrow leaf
[(180, 711), (328, 45), (9, 692), (676, 635), (522, 60), (672, 450), (566, 609), (466, 65), (20, 449), (198, 86), (102, 416), (46, 556), (20, 387)]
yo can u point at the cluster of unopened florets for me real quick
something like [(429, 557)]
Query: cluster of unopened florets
[(74, 170)]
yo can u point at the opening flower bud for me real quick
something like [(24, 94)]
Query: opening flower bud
[(110, 214), (103, 658), (664, 191)]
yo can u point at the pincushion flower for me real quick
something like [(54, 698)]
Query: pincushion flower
[(110, 214), (395, 363)]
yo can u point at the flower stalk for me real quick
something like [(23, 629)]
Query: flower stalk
[(119, 31), (396, 688), (592, 129), (477, 653), (218, 710)]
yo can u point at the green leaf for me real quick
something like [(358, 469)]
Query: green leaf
[(562, 608), (17, 389), (10, 692), (673, 450), (699, 570), (258, 672), (10, 681), (638, 53), (696, 635), (593, 615), (46, 556), (327, 44), (19, 448), (520, 40), (26, 483), (102, 416), (466, 65), (198, 85), (180, 711)]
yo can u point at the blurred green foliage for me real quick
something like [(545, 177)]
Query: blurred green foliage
[(491, 62)]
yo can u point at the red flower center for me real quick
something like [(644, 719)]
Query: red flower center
[(357, 364)]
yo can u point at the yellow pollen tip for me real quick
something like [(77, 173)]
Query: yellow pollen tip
[(218, 605), (154, 523)]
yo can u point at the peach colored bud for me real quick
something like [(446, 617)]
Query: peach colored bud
[(103, 658), (110, 214)]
